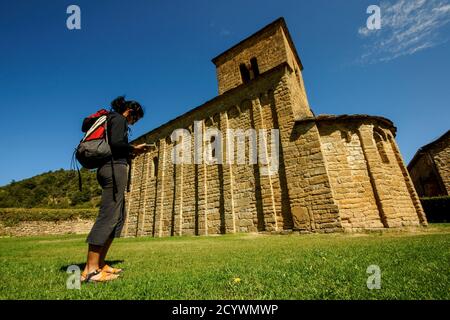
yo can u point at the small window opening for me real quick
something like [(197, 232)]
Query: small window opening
[(380, 146), (155, 167), (255, 68), (245, 74), (213, 149), (297, 75)]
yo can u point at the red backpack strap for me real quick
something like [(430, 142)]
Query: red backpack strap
[(97, 130), (99, 113), (90, 120)]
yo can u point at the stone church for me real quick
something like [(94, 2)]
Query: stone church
[(430, 168), (335, 172)]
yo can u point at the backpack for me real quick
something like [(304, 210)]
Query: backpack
[(93, 150)]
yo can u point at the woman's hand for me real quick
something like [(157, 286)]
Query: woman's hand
[(139, 149)]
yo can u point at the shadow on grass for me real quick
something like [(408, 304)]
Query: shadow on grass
[(81, 265)]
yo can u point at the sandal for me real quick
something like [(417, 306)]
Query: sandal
[(104, 276), (109, 269)]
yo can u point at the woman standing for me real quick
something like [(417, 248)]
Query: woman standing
[(112, 177)]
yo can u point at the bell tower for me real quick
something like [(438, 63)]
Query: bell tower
[(260, 52), (252, 57)]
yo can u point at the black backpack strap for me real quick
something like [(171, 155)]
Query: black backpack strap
[(79, 180), (74, 165), (129, 176), (112, 160)]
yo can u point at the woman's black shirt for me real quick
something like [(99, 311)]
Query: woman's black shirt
[(118, 137)]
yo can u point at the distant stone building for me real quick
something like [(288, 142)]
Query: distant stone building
[(334, 173), (430, 168)]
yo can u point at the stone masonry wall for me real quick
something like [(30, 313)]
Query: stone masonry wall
[(38, 228), (268, 48), (210, 198), (397, 200), (425, 176), (312, 206), (369, 179), (349, 177), (441, 155)]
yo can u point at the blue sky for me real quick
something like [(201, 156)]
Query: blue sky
[(159, 53)]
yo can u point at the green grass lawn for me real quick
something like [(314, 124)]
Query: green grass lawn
[(414, 265)]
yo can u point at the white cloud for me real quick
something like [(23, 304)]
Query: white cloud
[(363, 31), (407, 26), (445, 8), (224, 32)]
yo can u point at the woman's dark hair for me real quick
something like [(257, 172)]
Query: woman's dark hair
[(120, 105)]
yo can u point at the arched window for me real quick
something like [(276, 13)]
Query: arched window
[(379, 141), (155, 167), (245, 74), (297, 75), (213, 149), (255, 68)]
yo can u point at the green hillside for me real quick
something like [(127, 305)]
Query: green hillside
[(53, 189)]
